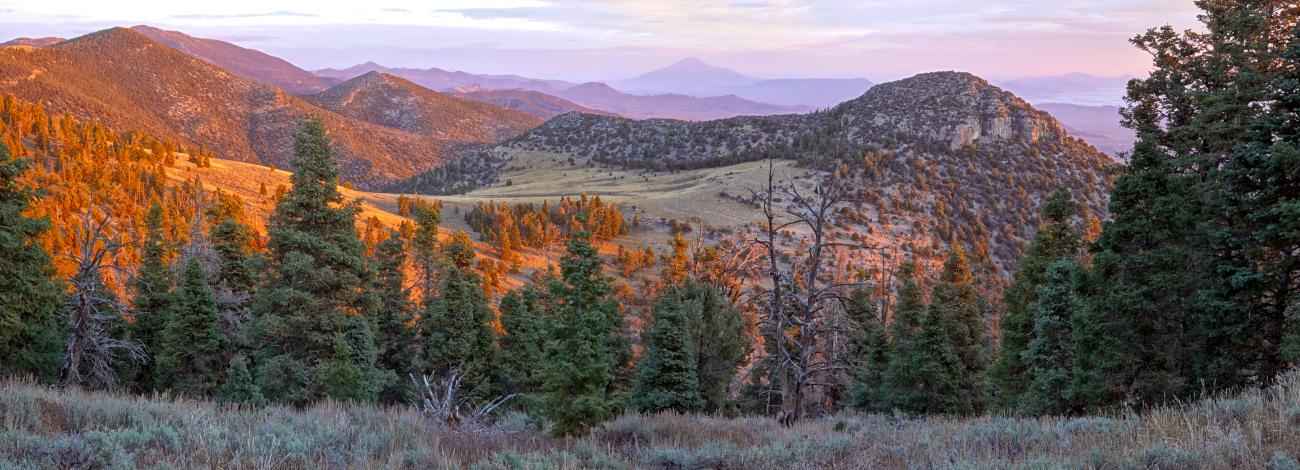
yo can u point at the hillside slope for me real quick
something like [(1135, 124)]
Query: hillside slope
[(532, 102), (940, 157), (248, 63), (389, 101), (129, 81)]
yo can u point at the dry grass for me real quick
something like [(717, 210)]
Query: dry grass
[(51, 428)]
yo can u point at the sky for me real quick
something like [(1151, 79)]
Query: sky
[(615, 39)]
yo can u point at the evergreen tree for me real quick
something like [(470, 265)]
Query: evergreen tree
[(1262, 186), (193, 346), (151, 307), (424, 247), (1049, 355), (238, 386), (579, 365), (317, 302), (1162, 301), (667, 378), (868, 353), (1055, 240), (522, 343), (458, 333), (901, 379), (397, 343), (29, 299), (946, 362), (231, 240), (719, 335)]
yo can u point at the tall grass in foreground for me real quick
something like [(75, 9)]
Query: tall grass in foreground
[(41, 427)]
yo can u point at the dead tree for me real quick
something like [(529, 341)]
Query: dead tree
[(92, 308), (797, 305), (442, 404)]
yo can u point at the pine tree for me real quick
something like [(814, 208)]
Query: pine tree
[(424, 246), (151, 307), (193, 346), (1055, 240), (719, 335), (29, 299), (1262, 186), (579, 366), (397, 343), (868, 353), (944, 369), (317, 302), (458, 334), (667, 377), (522, 343), (1162, 300), (231, 240), (1049, 355), (238, 386), (900, 379)]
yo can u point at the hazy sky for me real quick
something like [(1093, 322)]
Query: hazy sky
[(611, 39)]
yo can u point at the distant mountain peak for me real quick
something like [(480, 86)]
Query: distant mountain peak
[(34, 42)]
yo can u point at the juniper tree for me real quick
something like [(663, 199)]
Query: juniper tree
[(667, 378), (583, 331), (29, 298), (193, 347), (151, 305), (1055, 240), (396, 335), (317, 301)]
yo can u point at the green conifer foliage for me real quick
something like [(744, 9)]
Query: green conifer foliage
[(151, 307), (318, 290), (579, 365), (868, 354), (458, 333), (238, 386), (396, 335), (667, 378), (1055, 240), (30, 329), (523, 342), (194, 347), (1049, 356)]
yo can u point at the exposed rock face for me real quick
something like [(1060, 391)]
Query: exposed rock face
[(957, 108)]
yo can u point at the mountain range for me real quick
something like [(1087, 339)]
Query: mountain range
[(692, 76), (128, 80)]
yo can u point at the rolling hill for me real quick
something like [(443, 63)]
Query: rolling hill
[(937, 158), (439, 79), (669, 106), (532, 102), (692, 76), (393, 102), (34, 42), (130, 81), (248, 63)]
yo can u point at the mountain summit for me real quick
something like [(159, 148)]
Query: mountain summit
[(689, 76)]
